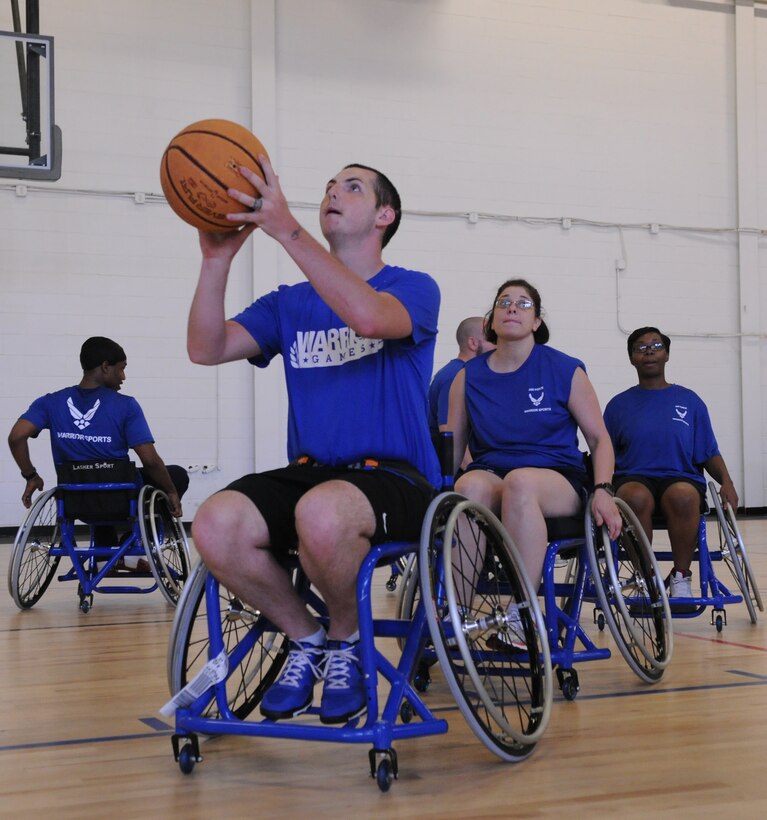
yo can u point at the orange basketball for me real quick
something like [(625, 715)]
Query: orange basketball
[(200, 163)]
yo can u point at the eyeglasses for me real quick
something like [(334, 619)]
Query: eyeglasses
[(645, 347), (523, 303)]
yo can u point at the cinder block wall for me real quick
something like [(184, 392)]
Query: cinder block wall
[(527, 138)]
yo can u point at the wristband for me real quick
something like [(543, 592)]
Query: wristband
[(607, 487), (30, 476)]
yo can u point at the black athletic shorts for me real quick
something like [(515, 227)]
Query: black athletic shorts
[(658, 486), (577, 479), (399, 499)]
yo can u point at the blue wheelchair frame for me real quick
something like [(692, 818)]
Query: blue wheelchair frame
[(646, 644), (622, 581), (85, 561), (713, 592), (479, 668), (211, 703), (49, 533), (568, 641), (380, 727)]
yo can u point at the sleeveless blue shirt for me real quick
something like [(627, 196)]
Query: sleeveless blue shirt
[(521, 419)]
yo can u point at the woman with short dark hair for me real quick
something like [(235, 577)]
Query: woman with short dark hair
[(663, 441)]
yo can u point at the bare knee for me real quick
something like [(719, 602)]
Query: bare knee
[(480, 486), (331, 516), (520, 493), (318, 520), (683, 505), (681, 502), (639, 498), (225, 522)]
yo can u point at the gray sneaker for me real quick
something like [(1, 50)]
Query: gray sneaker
[(680, 586)]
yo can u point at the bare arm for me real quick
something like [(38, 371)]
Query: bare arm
[(717, 469), (211, 339), (585, 409), (18, 441), (369, 313), (158, 475), (458, 419)]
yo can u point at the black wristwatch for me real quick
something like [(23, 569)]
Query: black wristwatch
[(606, 486), (30, 476)]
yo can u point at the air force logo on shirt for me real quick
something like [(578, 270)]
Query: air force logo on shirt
[(536, 394), (331, 348), (82, 420), (681, 413)]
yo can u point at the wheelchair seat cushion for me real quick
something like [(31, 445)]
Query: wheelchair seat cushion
[(566, 527), (98, 505)]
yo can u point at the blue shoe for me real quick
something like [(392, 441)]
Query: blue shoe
[(343, 696), (292, 693)]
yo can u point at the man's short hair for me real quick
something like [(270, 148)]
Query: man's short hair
[(386, 194), (471, 326), (99, 349), (640, 331)]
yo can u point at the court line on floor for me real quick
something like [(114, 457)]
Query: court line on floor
[(760, 681), (81, 741), (719, 640), (27, 628), (162, 729)]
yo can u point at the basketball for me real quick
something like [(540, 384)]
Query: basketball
[(198, 166)]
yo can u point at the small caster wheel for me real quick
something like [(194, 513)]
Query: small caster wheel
[(568, 683), (422, 679), (186, 759), (391, 584), (570, 689), (719, 623), (406, 712), (384, 774), (601, 622), (85, 606)]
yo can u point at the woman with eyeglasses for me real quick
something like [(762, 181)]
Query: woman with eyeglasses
[(663, 441), (519, 408)]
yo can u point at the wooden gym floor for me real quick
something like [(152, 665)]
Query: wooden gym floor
[(81, 735)]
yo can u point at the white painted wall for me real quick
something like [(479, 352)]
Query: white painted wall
[(616, 114)]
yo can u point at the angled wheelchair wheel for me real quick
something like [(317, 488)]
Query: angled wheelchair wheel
[(165, 543), (409, 591), (734, 554), (245, 631), (470, 574), (32, 567), (630, 590)]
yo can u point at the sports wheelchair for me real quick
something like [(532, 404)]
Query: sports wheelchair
[(105, 496), (453, 609), (620, 579), (223, 654), (731, 550)]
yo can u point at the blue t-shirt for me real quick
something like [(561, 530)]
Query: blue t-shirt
[(521, 419), (660, 433), (351, 397), (439, 394), (90, 424)]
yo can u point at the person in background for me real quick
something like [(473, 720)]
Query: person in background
[(470, 336), (92, 420), (663, 442), (519, 409)]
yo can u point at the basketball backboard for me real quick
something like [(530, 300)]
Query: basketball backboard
[(30, 142)]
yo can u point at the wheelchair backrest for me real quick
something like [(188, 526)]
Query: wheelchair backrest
[(95, 491)]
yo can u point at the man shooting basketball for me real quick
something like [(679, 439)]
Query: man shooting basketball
[(357, 340)]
